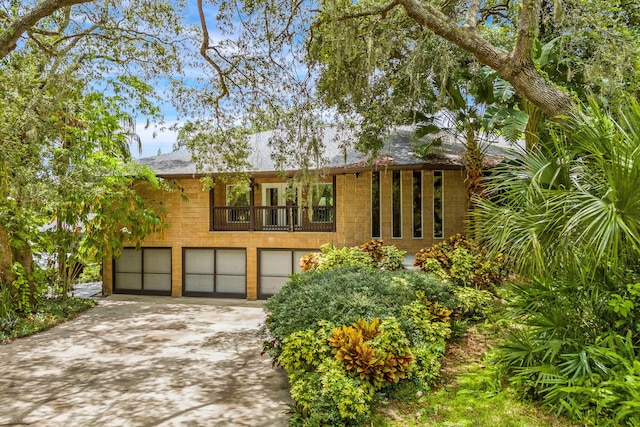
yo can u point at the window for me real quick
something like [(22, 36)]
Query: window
[(417, 204), (238, 202), (396, 204), (438, 205), (375, 205), (322, 203)]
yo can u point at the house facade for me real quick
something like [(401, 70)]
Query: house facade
[(219, 243)]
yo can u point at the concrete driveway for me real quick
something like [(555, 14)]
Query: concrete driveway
[(145, 361)]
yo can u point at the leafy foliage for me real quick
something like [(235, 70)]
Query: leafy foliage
[(50, 312), (345, 257), (376, 352), (463, 261), (348, 336), (567, 216), (372, 254)]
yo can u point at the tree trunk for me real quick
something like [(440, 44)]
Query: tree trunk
[(515, 67), (6, 258), (24, 256)]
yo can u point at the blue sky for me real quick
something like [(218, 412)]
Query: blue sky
[(157, 138)]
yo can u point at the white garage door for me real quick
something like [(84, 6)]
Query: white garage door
[(275, 266), (211, 272), (146, 271)]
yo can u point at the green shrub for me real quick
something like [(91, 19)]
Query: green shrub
[(372, 254), (342, 296), (392, 259), (474, 304), (49, 313), (345, 257), (349, 336), (432, 266), (375, 352), (462, 266), (463, 261)]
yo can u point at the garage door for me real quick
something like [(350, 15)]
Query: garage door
[(275, 266), (145, 272), (214, 272)]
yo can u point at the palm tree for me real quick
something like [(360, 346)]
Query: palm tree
[(567, 215), (574, 203)]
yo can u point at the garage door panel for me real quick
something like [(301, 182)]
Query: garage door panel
[(275, 263), (230, 284), (129, 281), (198, 283), (227, 279), (130, 261), (157, 261), (157, 282), (147, 269), (231, 262), (199, 261), (271, 285)]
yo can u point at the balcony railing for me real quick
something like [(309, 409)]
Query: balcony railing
[(273, 218)]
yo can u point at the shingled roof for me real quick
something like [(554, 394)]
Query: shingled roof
[(397, 151)]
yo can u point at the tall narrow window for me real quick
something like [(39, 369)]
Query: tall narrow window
[(375, 205), (438, 205), (396, 204), (417, 204)]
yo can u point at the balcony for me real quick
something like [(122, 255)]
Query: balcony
[(273, 218)]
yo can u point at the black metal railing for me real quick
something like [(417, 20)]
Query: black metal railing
[(273, 218)]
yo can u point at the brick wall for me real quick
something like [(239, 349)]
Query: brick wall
[(188, 221)]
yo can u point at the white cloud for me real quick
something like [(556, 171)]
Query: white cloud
[(154, 138)]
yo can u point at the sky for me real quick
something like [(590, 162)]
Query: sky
[(162, 142), (157, 139)]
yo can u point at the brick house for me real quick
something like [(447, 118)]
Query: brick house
[(221, 244)]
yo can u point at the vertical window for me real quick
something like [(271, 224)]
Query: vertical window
[(438, 205), (396, 204), (375, 205), (417, 204)]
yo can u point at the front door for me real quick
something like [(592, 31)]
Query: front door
[(279, 213), (274, 200)]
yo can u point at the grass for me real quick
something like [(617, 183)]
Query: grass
[(50, 313), (470, 395)]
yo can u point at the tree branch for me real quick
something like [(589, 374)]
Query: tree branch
[(527, 31), (381, 11), (9, 37), (203, 51), (471, 18), (516, 67)]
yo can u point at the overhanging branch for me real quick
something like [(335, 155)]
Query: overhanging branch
[(9, 37), (203, 51)]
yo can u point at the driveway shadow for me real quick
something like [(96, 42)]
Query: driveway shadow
[(127, 363)]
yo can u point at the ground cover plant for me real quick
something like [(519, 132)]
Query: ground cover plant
[(48, 313), (471, 391), (349, 337)]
